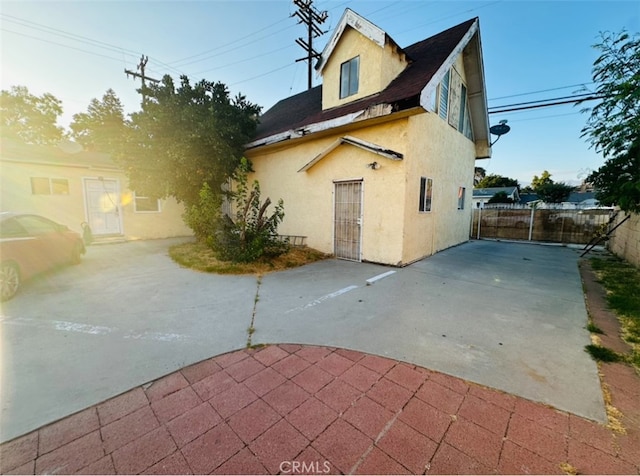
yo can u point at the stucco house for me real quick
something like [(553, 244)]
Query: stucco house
[(377, 163), (481, 196), (72, 187)]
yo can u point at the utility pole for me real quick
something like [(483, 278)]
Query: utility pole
[(311, 17), (141, 75)]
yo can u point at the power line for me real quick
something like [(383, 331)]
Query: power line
[(574, 96), (540, 91), (537, 106)]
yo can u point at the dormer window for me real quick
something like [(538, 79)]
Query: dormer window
[(349, 77)]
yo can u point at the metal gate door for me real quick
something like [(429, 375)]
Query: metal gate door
[(347, 223)]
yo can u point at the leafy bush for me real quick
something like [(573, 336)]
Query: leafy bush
[(204, 218)]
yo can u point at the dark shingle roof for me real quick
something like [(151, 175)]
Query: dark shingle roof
[(404, 91)]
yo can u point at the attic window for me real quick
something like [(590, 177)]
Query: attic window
[(349, 77), (443, 108)]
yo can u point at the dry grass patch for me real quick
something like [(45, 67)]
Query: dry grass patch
[(200, 257)]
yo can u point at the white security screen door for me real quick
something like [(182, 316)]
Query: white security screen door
[(102, 197), (347, 223)]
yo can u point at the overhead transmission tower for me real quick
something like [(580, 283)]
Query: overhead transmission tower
[(313, 18), (141, 75)]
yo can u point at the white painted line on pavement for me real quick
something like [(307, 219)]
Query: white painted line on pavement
[(370, 281), (321, 299)]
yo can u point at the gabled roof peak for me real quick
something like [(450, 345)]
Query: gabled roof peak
[(358, 23)]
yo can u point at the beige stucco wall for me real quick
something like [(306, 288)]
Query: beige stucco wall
[(15, 195), (378, 67), (308, 196), (625, 241)]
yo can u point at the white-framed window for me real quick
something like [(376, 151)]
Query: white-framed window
[(461, 195), (349, 77), (49, 186), (145, 204), (443, 105), (426, 193), (464, 121)]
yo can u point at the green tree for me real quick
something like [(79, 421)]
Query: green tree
[(102, 127), (500, 197), (30, 119), (494, 180), (185, 137), (544, 179), (478, 174), (554, 192), (613, 126)]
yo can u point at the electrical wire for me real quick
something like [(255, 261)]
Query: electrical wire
[(537, 106)]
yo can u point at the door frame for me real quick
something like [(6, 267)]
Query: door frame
[(336, 182), (118, 203)]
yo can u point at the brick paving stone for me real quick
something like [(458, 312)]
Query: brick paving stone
[(210, 386), (452, 383), (175, 404), (501, 399), (102, 466), (342, 445), (27, 468), (232, 400), (128, 428), (588, 460), (122, 405), (290, 366), (406, 376), (144, 452), (442, 398), (485, 414), (196, 372), (172, 464), (313, 354), (389, 394), (290, 348), (312, 417), (405, 444), (368, 416), (270, 355), (313, 379), (546, 416), (591, 433), (253, 420), (226, 360), (68, 429), (474, 441), (426, 419), (193, 423), (360, 377), (281, 442), (73, 456), (243, 462), (379, 462), (166, 386), (449, 460), (18, 451), (352, 355), (541, 440), (286, 397), (629, 447), (244, 369), (377, 364), (264, 381), (208, 451), (335, 364), (339, 395), (515, 459)]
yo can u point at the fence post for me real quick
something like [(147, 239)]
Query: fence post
[(533, 210), (479, 219)]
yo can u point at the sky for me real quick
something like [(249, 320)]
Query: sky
[(76, 50)]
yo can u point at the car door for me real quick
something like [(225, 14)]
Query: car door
[(49, 246)]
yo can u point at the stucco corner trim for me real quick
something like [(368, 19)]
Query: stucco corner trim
[(369, 146)]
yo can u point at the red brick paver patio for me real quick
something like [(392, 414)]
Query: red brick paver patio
[(315, 410)]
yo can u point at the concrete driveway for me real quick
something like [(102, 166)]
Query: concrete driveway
[(509, 316)]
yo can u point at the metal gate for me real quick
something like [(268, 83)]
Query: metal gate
[(347, 223)]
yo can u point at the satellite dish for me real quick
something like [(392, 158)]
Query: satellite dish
[(499, 130)]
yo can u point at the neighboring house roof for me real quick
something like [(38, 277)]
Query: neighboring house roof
[(528, 197), (429, 60), (491, 191), (53, 155), (578, 197)]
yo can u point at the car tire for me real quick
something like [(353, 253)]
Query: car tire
[(76, 254), (9, 280)]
